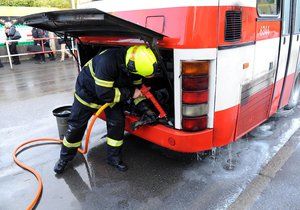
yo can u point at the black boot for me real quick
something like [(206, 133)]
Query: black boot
[(60, 166), (118, 165), (66, 155), (114, 158), (16, 60)]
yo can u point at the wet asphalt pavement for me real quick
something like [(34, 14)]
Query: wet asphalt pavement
[(156, 179), (283, 191)]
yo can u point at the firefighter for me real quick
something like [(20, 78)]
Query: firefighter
[(12, 34), (113, 76)]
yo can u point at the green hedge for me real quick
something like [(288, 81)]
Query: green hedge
[(37, 3)]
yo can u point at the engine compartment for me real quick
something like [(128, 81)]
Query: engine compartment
[(159, 84)]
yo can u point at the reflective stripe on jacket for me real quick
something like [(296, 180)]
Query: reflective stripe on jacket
[(104, 79)]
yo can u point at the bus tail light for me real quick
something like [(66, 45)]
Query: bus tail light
[(195, 68), (194, 110), (194, 124), (194, 95), (191, 83)]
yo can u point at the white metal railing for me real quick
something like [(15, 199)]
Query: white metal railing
[(43, 51)]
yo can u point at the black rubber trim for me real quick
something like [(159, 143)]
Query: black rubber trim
[(87, 22), (276, 18), (236, 45)]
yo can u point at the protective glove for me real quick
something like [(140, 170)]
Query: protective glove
[(149, 117), (162, 96), (142, 107)]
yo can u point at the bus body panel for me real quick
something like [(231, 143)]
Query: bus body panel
[(209, 54), (283, 58), (291, 69), (248, 80), (230, 77), (177, 24)]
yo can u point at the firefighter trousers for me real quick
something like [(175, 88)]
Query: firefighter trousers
[(77, 124)]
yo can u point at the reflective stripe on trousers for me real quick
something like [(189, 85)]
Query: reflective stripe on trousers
[(71, 145), (114, 142)]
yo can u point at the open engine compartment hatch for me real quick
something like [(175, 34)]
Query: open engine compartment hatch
[(88, 22)]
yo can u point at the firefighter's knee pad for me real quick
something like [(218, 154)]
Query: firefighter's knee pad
[(115, 128), (74, 134)]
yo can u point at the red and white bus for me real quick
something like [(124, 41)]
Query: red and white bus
[(232, 63)]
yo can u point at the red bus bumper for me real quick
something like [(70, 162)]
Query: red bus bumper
[(173, 139)]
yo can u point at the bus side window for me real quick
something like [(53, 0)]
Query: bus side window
[(268, 7)]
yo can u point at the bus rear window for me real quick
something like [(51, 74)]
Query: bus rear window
[(268, 7)]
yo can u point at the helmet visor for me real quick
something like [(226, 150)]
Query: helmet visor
[(156, 71)]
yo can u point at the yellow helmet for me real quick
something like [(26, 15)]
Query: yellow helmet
[(141, 60)]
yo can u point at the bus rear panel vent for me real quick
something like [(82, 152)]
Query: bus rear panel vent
[(233, 26)]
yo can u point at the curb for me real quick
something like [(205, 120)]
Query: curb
[(254, 189)]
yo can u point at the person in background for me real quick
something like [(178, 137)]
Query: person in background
[(63, 49), (47, 45), (52, 42), (1, 22), (36, 35), (12, 34)]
